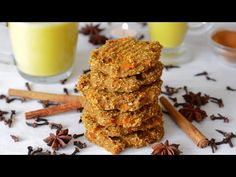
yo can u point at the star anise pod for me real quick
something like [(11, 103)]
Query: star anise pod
[(60, 140), (193, 113), (166, 149), (196, 98), (97, 39), (91, 29)]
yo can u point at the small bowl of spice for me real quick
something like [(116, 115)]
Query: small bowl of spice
[(223, 42)]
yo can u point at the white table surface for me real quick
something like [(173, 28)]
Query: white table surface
[(203, 60)]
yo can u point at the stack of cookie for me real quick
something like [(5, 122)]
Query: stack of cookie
[(121, 94)]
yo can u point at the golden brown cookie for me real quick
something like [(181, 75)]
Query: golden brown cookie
[(102, 81), (143, 138), (98, 137), (118, 144), (117, 131), (126, 119), (125, 57), (124, 102)]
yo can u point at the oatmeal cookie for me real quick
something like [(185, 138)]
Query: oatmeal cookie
[(126, 119), (98, 137), (117, 131), (117, 144), (125, 57), (102, 81), (104, 100)]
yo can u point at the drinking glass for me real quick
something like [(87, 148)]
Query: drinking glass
[(171, 36), (44, 51)]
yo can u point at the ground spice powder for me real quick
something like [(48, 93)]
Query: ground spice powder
[(226, 38)]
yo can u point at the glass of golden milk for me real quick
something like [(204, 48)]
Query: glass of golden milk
[(44, 51), (171, 36)]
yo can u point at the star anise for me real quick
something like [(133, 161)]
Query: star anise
[(166, 149), (60, 140), (97, 39), (193, 113), (91, 29), (196, 98)]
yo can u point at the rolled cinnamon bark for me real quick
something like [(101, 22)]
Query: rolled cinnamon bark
[(69, 102), (53, 110), (45, 96)]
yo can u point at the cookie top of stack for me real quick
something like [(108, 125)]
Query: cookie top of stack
[(125, 57)]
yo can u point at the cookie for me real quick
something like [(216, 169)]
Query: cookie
[(116, 145), (126, 119), (117, 131), (103, 81), (104, 100), (125, 57)]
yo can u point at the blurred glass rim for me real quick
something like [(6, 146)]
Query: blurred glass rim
[(196, 28)]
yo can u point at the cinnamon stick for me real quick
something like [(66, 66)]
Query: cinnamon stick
[(197, 137), (46, 96), (53, 110)]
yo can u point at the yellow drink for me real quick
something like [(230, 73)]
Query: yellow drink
[(44, 49), (169, 34)]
